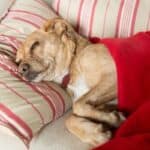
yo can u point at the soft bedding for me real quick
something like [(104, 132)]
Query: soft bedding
[(5, 5), (25, 108)]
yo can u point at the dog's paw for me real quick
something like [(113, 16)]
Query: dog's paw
[(88, 131), (116, 118), (99, 137), (110, 115)]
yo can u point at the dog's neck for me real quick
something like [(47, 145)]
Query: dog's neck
[(59, 78), (80, 88), (80, 44)]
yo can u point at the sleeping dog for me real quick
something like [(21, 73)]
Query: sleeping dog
[(54, 51)]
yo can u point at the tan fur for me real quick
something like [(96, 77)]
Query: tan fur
[(61, 50)]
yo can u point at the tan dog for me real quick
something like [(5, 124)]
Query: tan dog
[(56, 50)]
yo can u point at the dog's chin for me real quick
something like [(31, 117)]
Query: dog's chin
[(41, 77), (31, 78), (38, 78)]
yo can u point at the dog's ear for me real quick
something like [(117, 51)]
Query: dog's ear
[(57, 25), (62, 28)]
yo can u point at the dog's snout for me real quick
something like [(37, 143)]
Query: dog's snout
[(24, 68)]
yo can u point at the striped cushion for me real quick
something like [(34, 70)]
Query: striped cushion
[(4, 7), (106, 18), (24, 17), (25, 108)]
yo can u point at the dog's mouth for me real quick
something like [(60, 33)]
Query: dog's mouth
[(31, 76), (26, 71)]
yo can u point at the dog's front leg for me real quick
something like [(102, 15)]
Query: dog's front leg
[(88, 131), (87, 105), (92, 107)]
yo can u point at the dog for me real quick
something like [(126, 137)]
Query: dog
[(54, 51)]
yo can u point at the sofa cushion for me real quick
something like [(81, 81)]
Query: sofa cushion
[(25, 108), (49, 139), (48, 1), (54, 137), (24, 17), (4, 7), (105, 18)]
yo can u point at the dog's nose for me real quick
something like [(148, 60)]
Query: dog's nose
[(24, 68)]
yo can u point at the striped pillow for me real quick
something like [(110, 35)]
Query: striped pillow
[(105, 18), (24, 17), (25, 108), (4, 7)]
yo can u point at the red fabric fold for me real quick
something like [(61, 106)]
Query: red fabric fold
[(132, 58)]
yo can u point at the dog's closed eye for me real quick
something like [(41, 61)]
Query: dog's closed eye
[(34, 45)]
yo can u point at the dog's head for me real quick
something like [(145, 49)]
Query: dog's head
[(47, 52)]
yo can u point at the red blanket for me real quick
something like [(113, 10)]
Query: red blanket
[(132, 58)]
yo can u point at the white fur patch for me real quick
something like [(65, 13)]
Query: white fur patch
[(59, 78), (79, 88)]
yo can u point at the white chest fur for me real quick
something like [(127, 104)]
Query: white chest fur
[(59, 78), (79, 88)]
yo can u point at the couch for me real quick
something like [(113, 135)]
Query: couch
[(55, 136)]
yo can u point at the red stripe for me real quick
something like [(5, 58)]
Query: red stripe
[(92, 18), (26, 100), (134, 17), (33, 87), (119, 18), (2, 119), (57, 7), (10, 41), (59, 95), (31, 13), (13, 40), (27, 21), (6, 124), (12, 47), (49, 100), (79, 15), (16, 118), (105, 17)]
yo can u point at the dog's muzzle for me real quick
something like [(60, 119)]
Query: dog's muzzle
[(26, 71)]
